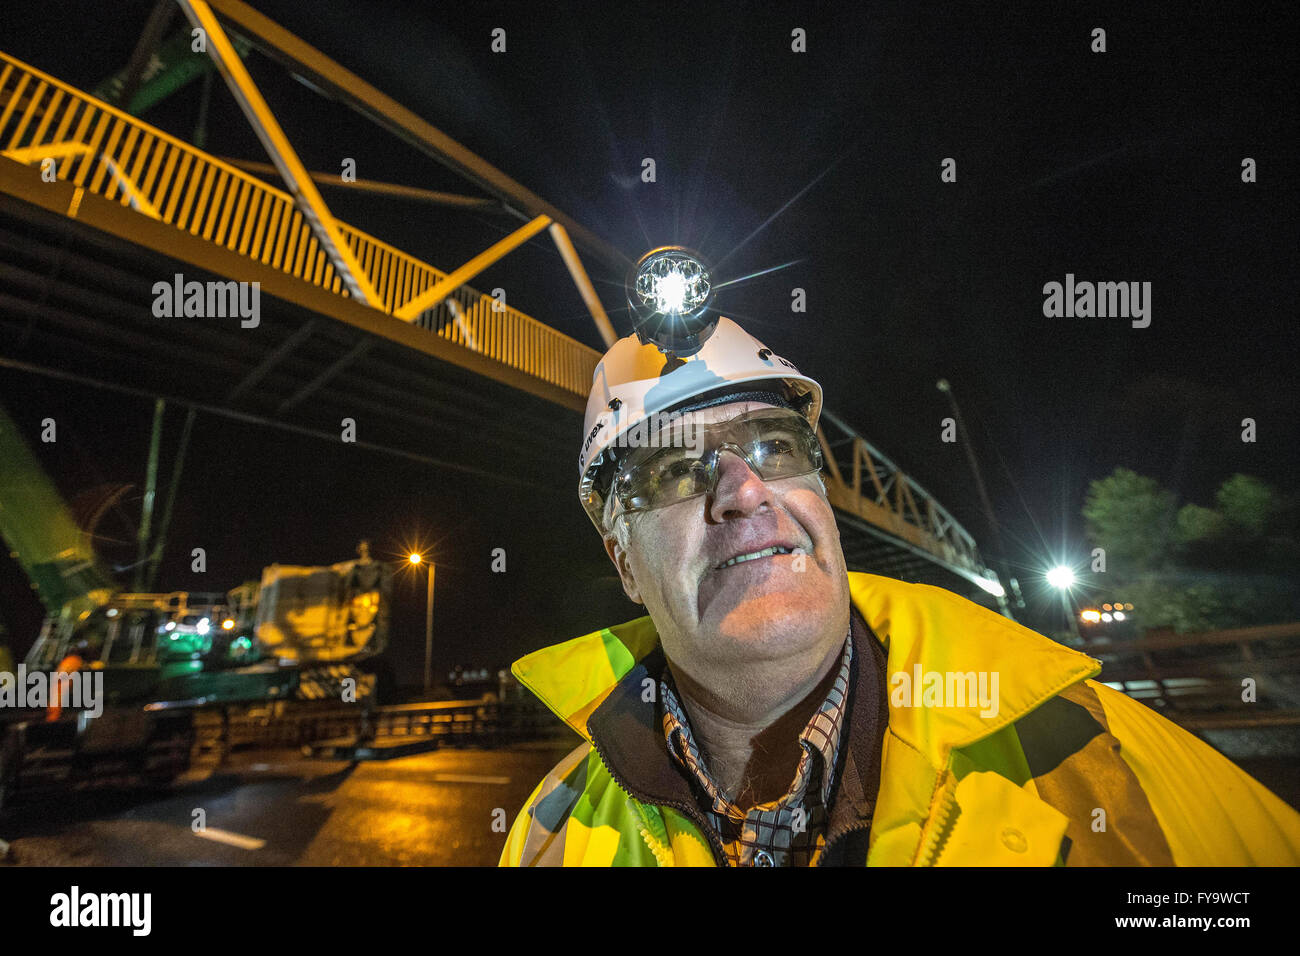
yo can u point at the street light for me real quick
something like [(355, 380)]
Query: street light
[(416, 558), (1061, 577)]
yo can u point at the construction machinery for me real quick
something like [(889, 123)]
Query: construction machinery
[(163, 661)]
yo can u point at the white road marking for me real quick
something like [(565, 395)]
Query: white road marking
[(467, 778), (231, 839)]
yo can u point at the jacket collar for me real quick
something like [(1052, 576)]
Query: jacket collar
[(914, 625)]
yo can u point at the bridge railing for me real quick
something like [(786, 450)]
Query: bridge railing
[(864, 482), (112, 154)]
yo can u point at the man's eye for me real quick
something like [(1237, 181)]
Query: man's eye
[(674, 476), (774, 448), (668, 464)]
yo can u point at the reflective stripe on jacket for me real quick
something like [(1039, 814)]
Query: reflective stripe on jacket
[(1066, 771)]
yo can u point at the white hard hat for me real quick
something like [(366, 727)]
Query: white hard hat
[(634, 381)]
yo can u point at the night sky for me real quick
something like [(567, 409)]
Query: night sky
[(1115, 166)]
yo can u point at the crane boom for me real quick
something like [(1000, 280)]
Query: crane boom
[(41, 533)]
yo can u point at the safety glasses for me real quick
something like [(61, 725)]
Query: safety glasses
[(684, 460)]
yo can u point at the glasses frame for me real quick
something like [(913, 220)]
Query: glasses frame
[(712, 457)]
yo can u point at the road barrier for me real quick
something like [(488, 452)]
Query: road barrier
[(460, 722), (1201, 679)]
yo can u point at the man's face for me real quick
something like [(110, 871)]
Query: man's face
[(761, 609)]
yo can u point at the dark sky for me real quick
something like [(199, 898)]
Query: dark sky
[(1119, 166)]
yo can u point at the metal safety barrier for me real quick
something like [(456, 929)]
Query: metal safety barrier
[(481, 723), (1197, 678), (97, 147)]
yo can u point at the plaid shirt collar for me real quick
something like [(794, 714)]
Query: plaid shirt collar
[(819, 740)]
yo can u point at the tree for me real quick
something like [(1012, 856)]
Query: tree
[(1253, 506), (1198, 568), (1133, 518), (1201, 526)]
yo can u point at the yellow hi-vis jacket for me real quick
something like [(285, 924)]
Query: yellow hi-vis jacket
[(1066, 771)]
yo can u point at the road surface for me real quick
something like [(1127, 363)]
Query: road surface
[(278, 808)]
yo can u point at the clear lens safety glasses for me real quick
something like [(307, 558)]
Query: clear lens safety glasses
[(683, 461)]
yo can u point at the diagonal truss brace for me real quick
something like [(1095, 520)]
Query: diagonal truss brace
[(432, 296), (309, 201)]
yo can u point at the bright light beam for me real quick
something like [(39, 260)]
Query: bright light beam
[(755, 275), (790, 202)]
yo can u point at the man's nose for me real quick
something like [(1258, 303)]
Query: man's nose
[(739, 491)]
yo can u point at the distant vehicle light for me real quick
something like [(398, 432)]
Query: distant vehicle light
[(203, 626), (227, 624)]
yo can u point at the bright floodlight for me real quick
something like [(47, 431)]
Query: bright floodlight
[(415, 559), (669, 293), (673, 284), (1060, 577)]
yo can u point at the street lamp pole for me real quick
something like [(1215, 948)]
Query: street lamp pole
[(416, 559), (428, 634), (989, 516), (1071, 616), (994, 528), (1061, 577)]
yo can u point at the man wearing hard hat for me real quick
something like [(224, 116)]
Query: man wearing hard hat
[(754, 716)]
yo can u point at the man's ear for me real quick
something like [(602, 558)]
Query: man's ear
[(619, 556)]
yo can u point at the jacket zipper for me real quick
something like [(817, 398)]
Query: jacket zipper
[(693, 813), (830, 843), (946, 820)]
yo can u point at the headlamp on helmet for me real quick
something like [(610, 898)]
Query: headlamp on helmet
[(669, 292)]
